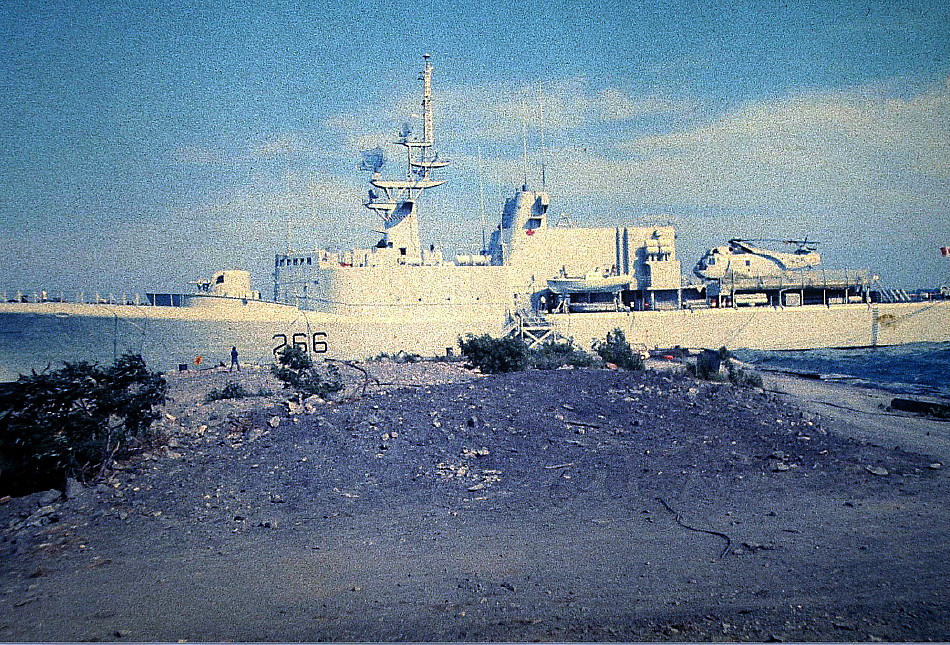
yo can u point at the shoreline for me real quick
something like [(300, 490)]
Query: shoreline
[(446, 505)]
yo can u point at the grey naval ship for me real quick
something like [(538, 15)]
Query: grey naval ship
[(534, 278)]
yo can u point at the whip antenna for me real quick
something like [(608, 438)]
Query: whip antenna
[(524, 144), (544, 179), (481, 193)]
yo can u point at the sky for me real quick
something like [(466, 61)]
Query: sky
[(147, 144)]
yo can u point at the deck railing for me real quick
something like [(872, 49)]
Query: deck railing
[(74, 297)]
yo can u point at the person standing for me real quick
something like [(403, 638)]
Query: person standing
[(234, 359)]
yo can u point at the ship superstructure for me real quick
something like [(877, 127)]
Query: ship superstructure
[(535, 278)]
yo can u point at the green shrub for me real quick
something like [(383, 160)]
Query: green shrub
[(495, 355), (708, 368), (744, 377), (233, 391), (74, 421), (552, 355), (708, 363), (296, 370), (615, 349)]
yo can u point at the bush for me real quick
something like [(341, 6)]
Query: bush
[(709, 362), (744, 377), (708, 368), (73, 422), (617, 350), (552, 355), (495, 355), (296, 370), (233, 391)]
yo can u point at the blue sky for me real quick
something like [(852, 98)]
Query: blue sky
[(147, 144)]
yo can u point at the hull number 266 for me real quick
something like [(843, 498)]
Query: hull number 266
[(316, 342)]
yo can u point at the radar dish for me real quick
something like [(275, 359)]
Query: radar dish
[(372, 160)]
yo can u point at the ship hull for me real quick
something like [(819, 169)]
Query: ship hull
[(805, 327), (35, 335)]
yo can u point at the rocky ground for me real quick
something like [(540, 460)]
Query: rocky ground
[(430, 503)]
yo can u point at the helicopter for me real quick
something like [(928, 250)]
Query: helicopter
[(741, 259)]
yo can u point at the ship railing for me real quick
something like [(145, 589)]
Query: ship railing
[(73, 297), (806, 278)]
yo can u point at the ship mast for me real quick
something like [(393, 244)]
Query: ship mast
[(396, 200), (421, 160), (427, 108)]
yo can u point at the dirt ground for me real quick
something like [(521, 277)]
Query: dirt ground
[(441, 505)]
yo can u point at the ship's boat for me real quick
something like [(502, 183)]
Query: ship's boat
[(595, 281)]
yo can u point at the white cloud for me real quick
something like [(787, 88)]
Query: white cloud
[(493, 112), (858, 148)]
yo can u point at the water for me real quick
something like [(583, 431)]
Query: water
[(916, 368), (31, 342)]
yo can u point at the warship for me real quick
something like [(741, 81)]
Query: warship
[(538, 279)]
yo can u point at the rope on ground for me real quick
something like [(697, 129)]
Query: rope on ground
[(676, 517)]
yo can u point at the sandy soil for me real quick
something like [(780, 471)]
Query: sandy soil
[(566, 505)]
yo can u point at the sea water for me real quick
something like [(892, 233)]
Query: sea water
[(35, 342), (915, 368)]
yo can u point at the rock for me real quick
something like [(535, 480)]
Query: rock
[(50, 496), (779, 467), (42, 516), (935, 466), (293, 407), (274, 421), (778, 454), (754, 546), (880, 471), (5, 499)]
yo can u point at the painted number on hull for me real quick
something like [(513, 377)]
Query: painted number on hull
[(317, 343)]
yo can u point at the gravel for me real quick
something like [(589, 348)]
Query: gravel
[(427, 502)]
